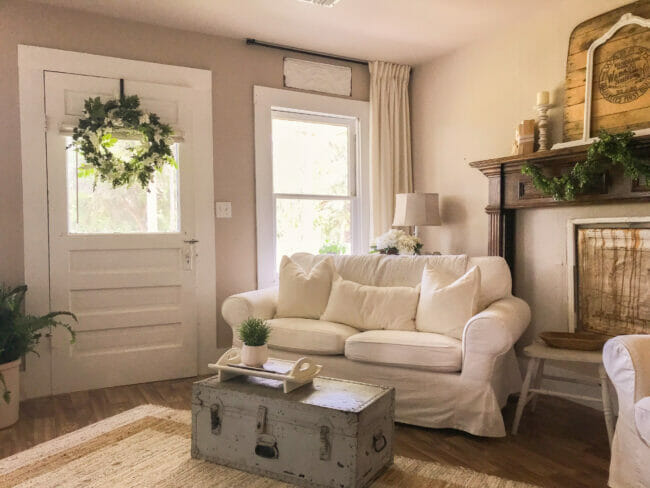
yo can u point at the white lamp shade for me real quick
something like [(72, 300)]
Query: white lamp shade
[(416, 209)]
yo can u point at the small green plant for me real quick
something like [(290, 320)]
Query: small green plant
[(609, 150), (332, 248), (254, 332), (20, 333)]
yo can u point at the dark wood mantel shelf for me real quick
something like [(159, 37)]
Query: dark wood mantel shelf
[(510, 190)]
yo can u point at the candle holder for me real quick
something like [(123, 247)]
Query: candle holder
[(542, 123)]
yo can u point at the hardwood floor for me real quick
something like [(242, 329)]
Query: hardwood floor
[(561, 445)]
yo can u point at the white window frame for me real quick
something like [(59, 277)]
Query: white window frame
[(355, 114)]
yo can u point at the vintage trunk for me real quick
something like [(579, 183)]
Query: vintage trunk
[(332, 433)]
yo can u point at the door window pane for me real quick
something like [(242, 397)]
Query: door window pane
[(108, 210), (310, 157), (314, 226)]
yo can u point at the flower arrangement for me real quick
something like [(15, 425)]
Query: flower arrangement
[(397, 242), (95, 136)]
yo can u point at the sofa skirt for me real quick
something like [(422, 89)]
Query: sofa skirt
[(431, 399)]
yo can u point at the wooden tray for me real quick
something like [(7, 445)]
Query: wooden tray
[(581, 341), (292, 374)]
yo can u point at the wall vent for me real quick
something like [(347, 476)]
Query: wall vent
[(322, 3)]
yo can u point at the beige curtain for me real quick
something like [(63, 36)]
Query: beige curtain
[(390, 141)]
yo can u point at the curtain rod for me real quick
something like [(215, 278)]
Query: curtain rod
[(255, 42)]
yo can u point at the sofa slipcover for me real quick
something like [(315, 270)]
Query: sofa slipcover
[(405, 348), (627, 362), (470, 400)]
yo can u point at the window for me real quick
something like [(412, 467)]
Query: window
[(95, 207), (310, 176), (314, 183)]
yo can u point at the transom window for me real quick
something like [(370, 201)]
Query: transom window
[(314, 183)]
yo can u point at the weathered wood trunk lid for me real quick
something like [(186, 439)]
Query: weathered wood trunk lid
[(332, 433)]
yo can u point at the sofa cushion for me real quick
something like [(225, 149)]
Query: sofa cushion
[(309, 336), (411, 349), (304, 293), (496, 281), (368, 307), (445, 307)]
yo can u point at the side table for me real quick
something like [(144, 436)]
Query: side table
[(539, 353)]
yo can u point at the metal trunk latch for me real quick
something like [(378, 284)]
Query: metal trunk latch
[(261, 419), (267, 445), (215, 420), (324, 443)]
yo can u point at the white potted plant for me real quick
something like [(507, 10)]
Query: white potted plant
[(19, 334), (254, 334)]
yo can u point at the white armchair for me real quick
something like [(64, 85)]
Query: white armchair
[(627, 361)]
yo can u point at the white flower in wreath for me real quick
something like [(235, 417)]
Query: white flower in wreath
[(144, 119), (94, 140)]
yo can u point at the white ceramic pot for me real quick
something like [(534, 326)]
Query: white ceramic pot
[(254, 356), (9, 411)]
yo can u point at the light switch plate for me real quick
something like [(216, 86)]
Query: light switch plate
[(224, 210)]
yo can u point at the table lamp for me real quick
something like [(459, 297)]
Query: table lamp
[(416, 209)]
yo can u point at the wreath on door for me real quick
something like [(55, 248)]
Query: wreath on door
[(98, 132)]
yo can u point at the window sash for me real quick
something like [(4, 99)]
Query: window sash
[(342, 121), (269, 102)]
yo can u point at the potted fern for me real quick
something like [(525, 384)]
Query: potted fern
[(19, 334), (254, 334)]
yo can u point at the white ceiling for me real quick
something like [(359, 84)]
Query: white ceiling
[(406, 31)]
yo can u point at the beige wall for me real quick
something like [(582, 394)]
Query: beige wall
[(235, 69), (465, 107)]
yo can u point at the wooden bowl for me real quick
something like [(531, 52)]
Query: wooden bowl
[(581, 341)]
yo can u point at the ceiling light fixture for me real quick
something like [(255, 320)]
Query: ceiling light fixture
[(322, 3)]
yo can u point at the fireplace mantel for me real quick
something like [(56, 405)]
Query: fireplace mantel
[(510, 190)]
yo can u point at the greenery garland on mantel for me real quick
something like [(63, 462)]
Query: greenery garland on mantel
[(607, 151), (94, 138)]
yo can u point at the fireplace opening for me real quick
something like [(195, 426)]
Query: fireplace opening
[(611, 282)]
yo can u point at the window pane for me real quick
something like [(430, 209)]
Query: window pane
[(310, 158), (314, 226), (108, 210)]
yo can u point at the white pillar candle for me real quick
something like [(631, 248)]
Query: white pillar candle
[(542, 98)]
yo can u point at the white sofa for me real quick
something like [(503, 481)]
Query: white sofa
[(627, 361), (440, 381)]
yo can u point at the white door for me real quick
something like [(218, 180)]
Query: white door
[(123, 260)]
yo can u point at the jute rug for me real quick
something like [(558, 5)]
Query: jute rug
[(149, 446)]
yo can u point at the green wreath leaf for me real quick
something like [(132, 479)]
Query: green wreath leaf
[(609, 150), (96, 132)]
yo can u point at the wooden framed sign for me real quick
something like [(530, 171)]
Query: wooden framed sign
[(612, 51)]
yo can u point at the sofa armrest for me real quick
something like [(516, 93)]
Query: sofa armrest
[(260, 304), (627, 362), (492, 333)]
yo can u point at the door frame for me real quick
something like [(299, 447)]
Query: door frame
[(33, 61)]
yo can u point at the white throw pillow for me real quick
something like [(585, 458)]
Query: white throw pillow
[(303, 295), (445, 307), (372, 307)]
